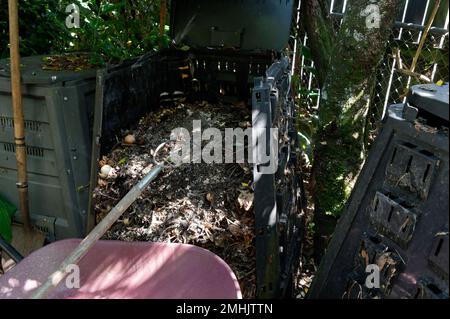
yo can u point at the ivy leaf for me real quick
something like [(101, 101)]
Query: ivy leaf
[(306, 52)]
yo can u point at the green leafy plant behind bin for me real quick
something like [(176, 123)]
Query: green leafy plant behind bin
[(7, 211), (114, 29)]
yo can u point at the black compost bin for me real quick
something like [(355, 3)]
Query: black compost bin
[(58, 110), (231, 50), (397, 216)]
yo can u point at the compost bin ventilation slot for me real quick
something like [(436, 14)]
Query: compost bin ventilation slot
[(31, 151), (427, 171), (29, 125), (439, 246), (408, 167), (434, 289), (393, 155), (33, 126), (390, 214), (6, 122)]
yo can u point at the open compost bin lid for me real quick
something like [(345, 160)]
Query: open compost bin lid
[(244, 24), (38, 70), (431, 98)]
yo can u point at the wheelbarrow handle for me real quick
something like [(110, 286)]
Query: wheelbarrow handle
[(89, 241)]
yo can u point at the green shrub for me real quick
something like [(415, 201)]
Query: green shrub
[(7, 211), (116, 30)]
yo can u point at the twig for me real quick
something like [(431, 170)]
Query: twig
[(415, 75), (107, 196), (411, 71), (425, 34)]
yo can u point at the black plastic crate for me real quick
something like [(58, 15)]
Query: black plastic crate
[(58, 113), (397, 216), (127, 92)]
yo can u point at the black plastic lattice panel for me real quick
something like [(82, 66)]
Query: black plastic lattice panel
[(411, 169), (401, 200), (392, 219)]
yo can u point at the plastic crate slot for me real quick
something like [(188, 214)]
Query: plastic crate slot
[(427, 171), (35, 151), (372, 250), (8, 147), (406, 205), (377, 202), (411, 170), (439, 247), (393, 219), (390, 214), (405, 225), (434, 289), (43, 229), (426, 153), (438, 256), (408, 167), (429, 290), (33, 126), (409, 145), (31, 151), (6, 122)]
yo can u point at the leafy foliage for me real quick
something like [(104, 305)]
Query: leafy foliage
[(115, 29), (41, 26)]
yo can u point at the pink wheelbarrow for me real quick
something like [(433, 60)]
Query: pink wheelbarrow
[(122, 270), (90, 268)]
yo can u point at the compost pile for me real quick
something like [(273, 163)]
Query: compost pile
[(71, 62), (208, 205)]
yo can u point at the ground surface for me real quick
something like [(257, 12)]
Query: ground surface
[(24, 242)]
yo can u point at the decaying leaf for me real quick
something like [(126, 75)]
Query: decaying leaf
[(365, 255), (193, 203), (245, 200), (235, 228), (385, 259), (210, 198)]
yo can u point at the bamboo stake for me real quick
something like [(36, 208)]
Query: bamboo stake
[(425, 34), (99, 230), (19, 132), (411, 72)]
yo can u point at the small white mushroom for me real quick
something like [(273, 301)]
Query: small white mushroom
[(105, 171), (130, 139)]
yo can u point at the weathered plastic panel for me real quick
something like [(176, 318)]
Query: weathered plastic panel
[(246, 25), (58, 110), (279, 196), (126, 92), (397, 216)]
